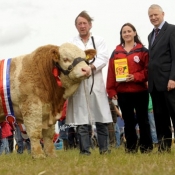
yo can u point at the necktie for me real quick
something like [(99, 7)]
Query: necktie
[(156, 32)]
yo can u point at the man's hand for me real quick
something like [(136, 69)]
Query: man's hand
[(92, 67), (115, 97), (171, 85)]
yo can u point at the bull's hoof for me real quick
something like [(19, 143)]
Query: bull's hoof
[(38, 156)]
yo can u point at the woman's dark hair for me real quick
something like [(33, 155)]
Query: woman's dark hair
[(85, 15), (136, 38)]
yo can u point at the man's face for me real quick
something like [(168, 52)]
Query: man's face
[(156, 16), (83, 26)]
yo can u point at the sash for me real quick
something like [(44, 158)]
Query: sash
[(5, 90)]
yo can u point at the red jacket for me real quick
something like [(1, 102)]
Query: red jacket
[(6, 129), (137, 67)]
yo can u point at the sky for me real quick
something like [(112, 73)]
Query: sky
[(28, 24)]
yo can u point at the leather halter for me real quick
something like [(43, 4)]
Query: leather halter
[(70, 68)]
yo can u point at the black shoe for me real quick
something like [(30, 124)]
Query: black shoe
[(86, 153), (19, 152), (147, 150), (105, 152)]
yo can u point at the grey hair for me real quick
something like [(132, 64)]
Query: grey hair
[(156, 6)]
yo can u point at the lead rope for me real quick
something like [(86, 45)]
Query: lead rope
[(86, 95), (91, 63)]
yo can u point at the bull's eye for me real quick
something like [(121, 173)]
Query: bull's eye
[(66, 60)]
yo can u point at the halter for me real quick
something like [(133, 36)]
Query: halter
[(70, 68)]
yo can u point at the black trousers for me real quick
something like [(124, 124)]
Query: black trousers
[(134, 108), (164, 107)]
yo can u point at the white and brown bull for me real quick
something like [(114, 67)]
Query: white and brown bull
[(36, 98)]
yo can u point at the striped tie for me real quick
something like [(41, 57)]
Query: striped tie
[(156, 32)]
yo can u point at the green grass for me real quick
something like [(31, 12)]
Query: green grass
[(71, 163)]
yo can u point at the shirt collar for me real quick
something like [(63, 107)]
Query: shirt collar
[(161, 25)]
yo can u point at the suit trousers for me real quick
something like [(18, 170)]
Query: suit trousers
[(164, 107)]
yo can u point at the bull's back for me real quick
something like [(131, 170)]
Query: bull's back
[(15, 70)]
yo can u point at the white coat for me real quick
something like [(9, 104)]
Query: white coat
[(83, 107)]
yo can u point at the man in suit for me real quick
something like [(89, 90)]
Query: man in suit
[(161, 75)]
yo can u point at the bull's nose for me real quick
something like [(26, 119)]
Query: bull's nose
[(86, 70)]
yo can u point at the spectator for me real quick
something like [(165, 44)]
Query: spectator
[(22, 139), (72, 137), (111, 126), (6, 131), (132, 92), (11, 142), (117, 128), (67, 132), (85, 109), (114, 131), (120, 123), (63, 128), (19, 139), (161, 75), (152, 122)]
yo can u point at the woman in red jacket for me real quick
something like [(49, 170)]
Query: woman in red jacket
[(126, 81)]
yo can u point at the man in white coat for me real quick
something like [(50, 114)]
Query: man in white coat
[(85, 109)]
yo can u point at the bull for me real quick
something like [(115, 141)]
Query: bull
[(35, 98)]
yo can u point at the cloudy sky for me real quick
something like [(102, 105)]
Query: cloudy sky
[(28, 24)]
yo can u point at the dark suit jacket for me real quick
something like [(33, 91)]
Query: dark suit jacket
[(161, 66)]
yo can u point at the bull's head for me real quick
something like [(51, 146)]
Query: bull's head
[(72, 63)]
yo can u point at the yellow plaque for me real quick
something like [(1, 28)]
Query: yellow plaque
[(121, 69)]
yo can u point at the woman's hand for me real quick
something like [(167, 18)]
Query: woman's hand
[(130, 77)]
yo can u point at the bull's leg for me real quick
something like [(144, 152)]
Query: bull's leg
[(48, 141), (32, 116)]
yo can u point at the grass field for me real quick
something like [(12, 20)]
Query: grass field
[(71, 163)]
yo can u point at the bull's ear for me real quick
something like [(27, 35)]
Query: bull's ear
[(55, 54), (90, 53)]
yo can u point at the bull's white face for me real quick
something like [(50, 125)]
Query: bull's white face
[(68, 52)]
